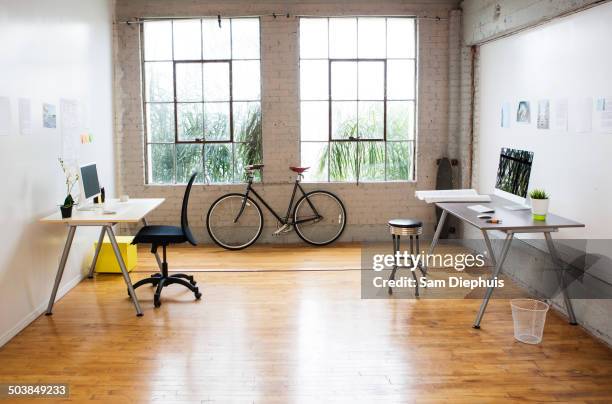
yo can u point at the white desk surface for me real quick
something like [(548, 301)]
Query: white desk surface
[(132, 211)]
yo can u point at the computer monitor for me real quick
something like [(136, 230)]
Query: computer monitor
[(90, 186), (513, 174)]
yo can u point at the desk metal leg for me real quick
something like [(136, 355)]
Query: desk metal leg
[(434, 241), (97, 252), (60, 269), (490, 251), (126, 275), (496, 272), (561, 276)]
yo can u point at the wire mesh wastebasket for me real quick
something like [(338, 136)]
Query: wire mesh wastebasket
[(529, 317)]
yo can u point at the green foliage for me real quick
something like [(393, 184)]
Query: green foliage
[(538, 194), (217, 161), (366, 160)]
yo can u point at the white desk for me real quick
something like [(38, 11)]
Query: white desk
[(134, 211)]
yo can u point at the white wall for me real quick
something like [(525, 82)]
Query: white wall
[(48, 50), (569, 58)]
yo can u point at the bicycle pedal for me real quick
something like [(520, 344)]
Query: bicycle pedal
[(286, 228)]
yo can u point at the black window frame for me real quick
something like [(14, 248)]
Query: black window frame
[(175, 102)]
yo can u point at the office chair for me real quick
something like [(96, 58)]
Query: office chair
[(163, 236)]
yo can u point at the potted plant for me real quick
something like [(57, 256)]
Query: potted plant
[(72, 176), (539, 204)]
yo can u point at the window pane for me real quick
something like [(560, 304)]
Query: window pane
[(314, 77), (400, 79), (247, 153), (400, 120), (314, 120), (343, 161), (371, 81), (216, 82), (372, 161), (245, 80), (216, 120), (342, 38), (158, 81), (344, 80), (344, 119), (313, 38), (218, 163), (314, 155), (188, 82), (371, 37), (160, 122), (188, 161), (247, 122), (400, 38), (216, 41), (187, 39), (158, 40), (399, 161), (190, 121), (161, 163), (245, 38), (371, 120)]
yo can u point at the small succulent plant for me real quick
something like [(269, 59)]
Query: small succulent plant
[(538, 194)]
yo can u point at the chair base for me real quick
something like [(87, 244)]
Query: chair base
[(161, 280)]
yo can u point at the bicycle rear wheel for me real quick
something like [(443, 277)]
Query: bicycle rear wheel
[(319, 218), (231, 229)]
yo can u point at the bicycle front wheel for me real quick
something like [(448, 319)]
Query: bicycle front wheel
[(319, 218), (229, 227)]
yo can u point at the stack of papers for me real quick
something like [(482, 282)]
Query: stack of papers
[(451, 195)]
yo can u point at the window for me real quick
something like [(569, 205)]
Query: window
[(357, 98), (201, 98)]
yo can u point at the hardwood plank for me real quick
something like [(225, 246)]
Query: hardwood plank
[(296, 336)]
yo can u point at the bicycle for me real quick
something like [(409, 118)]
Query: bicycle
[(235, 221)]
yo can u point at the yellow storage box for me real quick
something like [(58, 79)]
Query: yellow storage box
[(107, 263)]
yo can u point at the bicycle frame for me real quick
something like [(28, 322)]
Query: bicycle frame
[(287, 219)]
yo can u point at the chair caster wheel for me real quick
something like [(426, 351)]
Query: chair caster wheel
[(156, 301), (198, 295)]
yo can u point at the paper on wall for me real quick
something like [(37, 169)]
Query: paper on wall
[(505, 115), (560, 110), (5, 116), (25, 116), (603, 114), (69, 125), (584, 115)]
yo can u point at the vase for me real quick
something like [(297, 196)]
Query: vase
[(539, 208)]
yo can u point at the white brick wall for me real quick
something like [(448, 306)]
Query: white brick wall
[(369, 205)]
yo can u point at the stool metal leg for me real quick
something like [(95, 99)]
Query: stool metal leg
[(395, 249)]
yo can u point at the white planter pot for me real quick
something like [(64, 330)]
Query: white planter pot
[(539, 208)]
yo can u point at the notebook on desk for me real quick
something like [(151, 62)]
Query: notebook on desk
[(452, 195)]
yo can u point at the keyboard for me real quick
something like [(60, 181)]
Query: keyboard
[(481, 208)]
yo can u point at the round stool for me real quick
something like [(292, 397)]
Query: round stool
[(411, 228)]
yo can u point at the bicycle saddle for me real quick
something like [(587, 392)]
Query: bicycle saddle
[(298, 170), (251, 167)]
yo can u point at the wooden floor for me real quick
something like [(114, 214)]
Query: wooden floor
[(297, 336)]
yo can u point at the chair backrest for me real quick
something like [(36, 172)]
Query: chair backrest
[(184, 220)]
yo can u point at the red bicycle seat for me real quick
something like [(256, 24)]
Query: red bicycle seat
[(298, 170)]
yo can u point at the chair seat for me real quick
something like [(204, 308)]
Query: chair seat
[(160, 235), (298, 170), (405, 223)]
